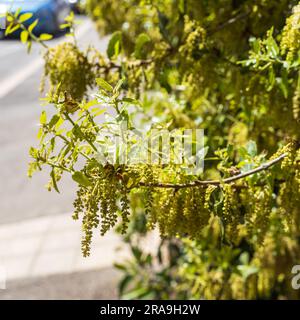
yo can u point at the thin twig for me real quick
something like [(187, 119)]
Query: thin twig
[(206, 183)]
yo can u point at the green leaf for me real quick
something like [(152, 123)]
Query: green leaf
[(119, 85), (40, 133), (181, 6), (24, 36), (272, 46), (90, 104), (43, 117), (130, 100), (16, 14), (119, 266), (25, 16), (54, 121), (142, 39), (9, 18), (136, 252), (104, 85), (33, 25), (124, 283), (114, 45), (45, 36), (64, 26), (52, 174), (32, 152), (272, 79), (29, 45), (11, 29), (59, 123), (81, 179)]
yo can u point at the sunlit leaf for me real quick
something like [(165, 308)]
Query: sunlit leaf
[(24, 17), (104, 85), (114, 45), (82, 179), (33, 25), (45, 36), (24, 36)]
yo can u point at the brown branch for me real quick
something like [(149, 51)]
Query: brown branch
[(206, 183)]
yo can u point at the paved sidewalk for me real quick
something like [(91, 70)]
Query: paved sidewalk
[(51, 245), (95, 284)]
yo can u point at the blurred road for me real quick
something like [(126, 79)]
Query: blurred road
[(20, 74)]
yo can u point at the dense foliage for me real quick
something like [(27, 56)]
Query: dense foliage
[(229, 67)]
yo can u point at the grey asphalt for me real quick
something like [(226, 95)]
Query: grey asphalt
[(22, 198)]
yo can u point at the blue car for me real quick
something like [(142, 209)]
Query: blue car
[(51, 13)]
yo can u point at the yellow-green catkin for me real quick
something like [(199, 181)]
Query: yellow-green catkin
[(296, 101), (290, 42), (195, 39), (148, 177), (70, 68), (227, 203), (262, 209), (230, 212)]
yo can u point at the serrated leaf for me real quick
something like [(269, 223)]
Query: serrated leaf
[(114, 45), (25, 16), (81, 179), (104, 85)]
